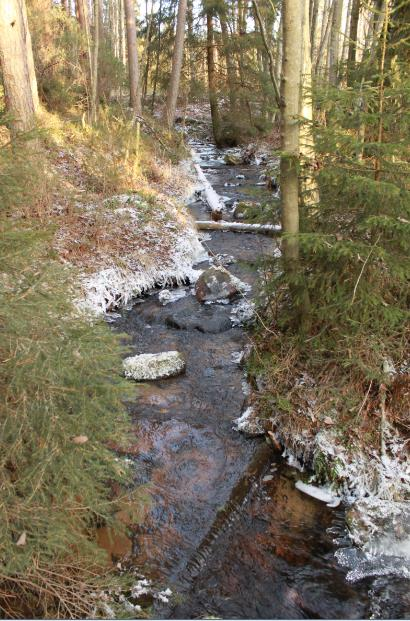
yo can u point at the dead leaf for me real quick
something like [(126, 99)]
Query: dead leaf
[(21, 541), (328, 421), (80, 439)]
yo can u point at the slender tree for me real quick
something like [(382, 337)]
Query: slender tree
[(133, 67), (14, 62), (292, 15), (177, 58)]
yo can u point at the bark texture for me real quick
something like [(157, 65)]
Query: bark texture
[(15, 66)]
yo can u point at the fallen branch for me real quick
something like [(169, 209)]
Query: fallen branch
[(240, 227), (214, 201)]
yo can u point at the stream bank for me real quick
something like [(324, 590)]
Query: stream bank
[(226, 531)]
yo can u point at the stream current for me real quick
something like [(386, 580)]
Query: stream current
[(225, 529)]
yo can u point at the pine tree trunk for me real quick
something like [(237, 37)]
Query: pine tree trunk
[(335, 41), (213, 97), (177, 59), (133, 68), (15, 67), (292, 11)]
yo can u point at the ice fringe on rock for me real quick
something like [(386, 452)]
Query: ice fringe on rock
[(323, 494), (154, 366), (249, 423)]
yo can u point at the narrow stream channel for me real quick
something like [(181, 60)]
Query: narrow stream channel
[(226, 530)]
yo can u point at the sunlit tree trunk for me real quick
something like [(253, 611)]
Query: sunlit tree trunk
[(18, 86), (310, 192), (133, 67), (177, 58)]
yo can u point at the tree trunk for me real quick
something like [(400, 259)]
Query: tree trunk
[(133, 68), (213, 97), (269, 53), (145, 60), (324, 38), (94, 67), (177, 58), (230, 65), (310, 192), (354, 25), (335, 41), (30, 59), (292, 11), (346, 31), (154, 90), (15, 67)]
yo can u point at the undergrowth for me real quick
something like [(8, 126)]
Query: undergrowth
[(353, 280), (61, 409)]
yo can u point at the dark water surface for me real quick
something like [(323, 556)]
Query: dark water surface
[(226, 530)]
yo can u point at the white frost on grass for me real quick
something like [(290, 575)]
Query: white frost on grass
[(167, 260), (154, 366)]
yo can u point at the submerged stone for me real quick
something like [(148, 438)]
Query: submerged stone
[(154, 366)]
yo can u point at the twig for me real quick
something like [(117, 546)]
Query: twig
[(363, 267)]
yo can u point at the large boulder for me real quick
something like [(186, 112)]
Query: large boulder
[(154, 366), (215, 284)]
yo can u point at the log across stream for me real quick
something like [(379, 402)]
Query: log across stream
[(226, 531)]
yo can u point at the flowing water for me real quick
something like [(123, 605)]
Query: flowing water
[(226, 530)]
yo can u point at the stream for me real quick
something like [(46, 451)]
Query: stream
[(225, 529)]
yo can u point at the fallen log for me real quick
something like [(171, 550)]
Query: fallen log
[(214, 201), (240, 227)]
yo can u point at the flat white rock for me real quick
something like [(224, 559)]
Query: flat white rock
[(154, 366)]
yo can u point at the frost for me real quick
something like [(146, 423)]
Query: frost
[(323, 494), (249, 423), (125, 278), (167, 296), (242, 312), (154, 366)]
